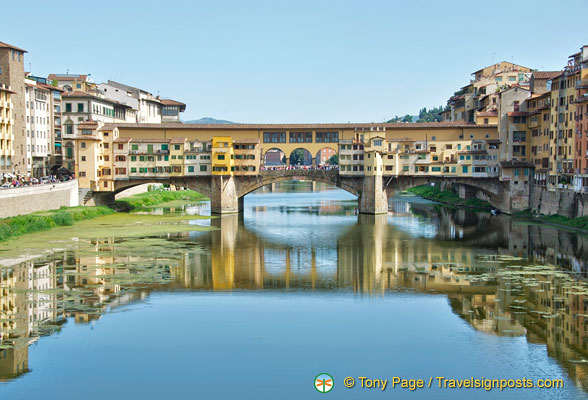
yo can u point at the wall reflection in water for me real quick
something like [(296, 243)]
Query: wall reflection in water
[(492, 270)]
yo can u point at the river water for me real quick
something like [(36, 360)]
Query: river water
[(169, 303)]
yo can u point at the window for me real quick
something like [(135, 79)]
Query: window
[(83, 145), (300, 137), (378, 142), (133, 158), (218, 157), (164, 147), (134, 147), (80, 107), (83, 158), (106, 145), (464, 169), (176, 147), (190, 168), (67, 107), (274, 137), (133, 169), (78, 86), (327, 137), (203, 168), (82, 174)]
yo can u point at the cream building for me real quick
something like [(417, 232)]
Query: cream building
[(6, 132)]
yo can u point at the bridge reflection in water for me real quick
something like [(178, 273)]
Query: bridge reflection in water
[(473, 259)]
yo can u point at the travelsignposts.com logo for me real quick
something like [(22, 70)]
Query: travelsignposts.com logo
[(324, 383)]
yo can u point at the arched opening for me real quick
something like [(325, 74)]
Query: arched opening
[(274, 157), (300, 157), (326, 156)]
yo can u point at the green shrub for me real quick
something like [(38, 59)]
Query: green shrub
[(448, 197), (156, 197), (24, 224)]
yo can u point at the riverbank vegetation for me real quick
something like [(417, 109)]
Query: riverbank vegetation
[(42, 221), (65, 216), (449, 197), (576, 223), (147, 199)]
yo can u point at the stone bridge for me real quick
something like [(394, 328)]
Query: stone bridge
[(227, 192)]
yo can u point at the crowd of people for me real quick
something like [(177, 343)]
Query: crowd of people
[(21, 181), (325, 167)]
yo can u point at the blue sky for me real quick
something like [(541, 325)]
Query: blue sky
[(294, 61)]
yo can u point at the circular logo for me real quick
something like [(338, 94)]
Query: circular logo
[(324, 383)]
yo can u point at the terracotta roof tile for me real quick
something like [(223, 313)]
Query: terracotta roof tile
[(67, 77), (262, 127), (546, 74), (246, 140), (9, 46)]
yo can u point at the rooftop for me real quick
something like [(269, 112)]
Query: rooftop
[(546, 74), (282, 127), (9, 46), (67, 77)]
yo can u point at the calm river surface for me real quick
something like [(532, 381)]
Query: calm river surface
[(169, 303)]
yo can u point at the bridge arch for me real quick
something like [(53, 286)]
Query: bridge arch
[(330, 177), (324, 154), (300, 156), (274, 157)]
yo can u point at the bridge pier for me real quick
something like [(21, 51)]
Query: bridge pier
[(373, 198), (224, 198)]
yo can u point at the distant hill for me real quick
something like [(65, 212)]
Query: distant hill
[(208, 120)]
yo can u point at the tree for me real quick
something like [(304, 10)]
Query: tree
[(297, 157), (333, 160)]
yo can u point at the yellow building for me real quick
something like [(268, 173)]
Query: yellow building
[(6, 130), (177, 148), (538, 135), (222, 155), (563, 127)]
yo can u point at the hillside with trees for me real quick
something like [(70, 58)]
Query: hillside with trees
[(425, 115)]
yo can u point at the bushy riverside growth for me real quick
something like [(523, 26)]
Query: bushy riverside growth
[(448, 197), (23, 224), (157, 197)]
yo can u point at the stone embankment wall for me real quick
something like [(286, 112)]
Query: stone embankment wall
[(561, 201), (29, 199)]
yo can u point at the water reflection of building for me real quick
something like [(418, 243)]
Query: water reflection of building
[(370, 256)]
